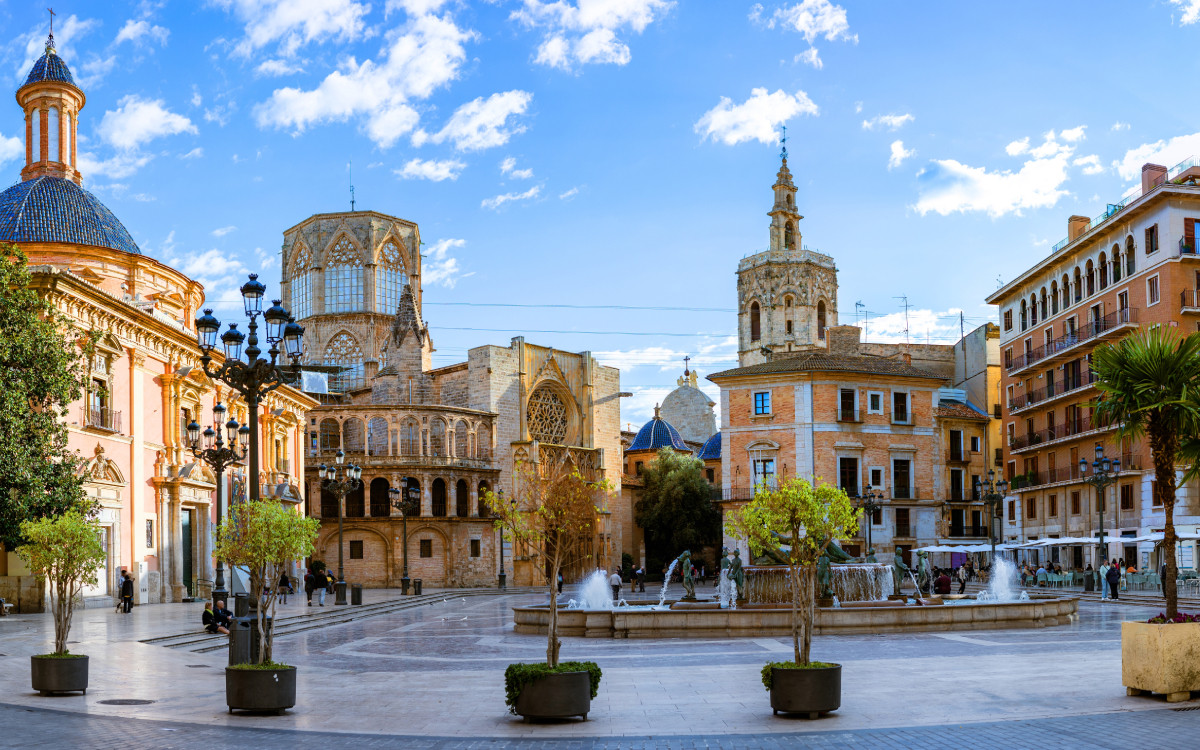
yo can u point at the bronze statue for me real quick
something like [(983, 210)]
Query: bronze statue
[(923, 579), (898, 569), (871, 555), (778, 556), (824, 578), (685, 572), (736, 574)]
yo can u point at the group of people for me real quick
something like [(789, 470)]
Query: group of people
[(319, 582), (124, 592), (216, 620)]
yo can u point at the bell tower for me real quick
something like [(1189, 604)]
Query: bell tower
[(785, 221), (51, 102)]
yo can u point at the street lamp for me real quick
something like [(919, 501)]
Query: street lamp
[(340, 480), (409, 504), (992, 493), (503, 579), (869, 506), (218, 455), (1104, 473), (253, 377)]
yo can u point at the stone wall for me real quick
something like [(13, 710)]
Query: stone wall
[(24, 592)]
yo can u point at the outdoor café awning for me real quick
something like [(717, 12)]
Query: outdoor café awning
[(1156, 536)]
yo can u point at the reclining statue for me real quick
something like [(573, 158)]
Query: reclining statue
[(778, 556)]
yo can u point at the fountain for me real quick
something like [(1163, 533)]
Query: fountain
[(594, 593), (726, 591), (1000, 587), (662, 595), (851, 582)]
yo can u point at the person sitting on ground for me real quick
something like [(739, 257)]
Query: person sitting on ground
[(942, 584), (209, 621), (224, 616)]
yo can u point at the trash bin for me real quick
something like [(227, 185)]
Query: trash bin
[(355, 593), (244, 643), (417, 586), (1089, 581)]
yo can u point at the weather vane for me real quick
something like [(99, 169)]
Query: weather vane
[(783, 143)]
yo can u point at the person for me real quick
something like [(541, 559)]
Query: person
[(223, 616), (560, 583), (1103, 582), (326, 586), (641, 579), (1114, 579), (941, 584), (127, 592), (614, 580), (209, 620), (117, 589), (285, 586), (963, 574), (1162, 577), (310, 585), (320, 584)]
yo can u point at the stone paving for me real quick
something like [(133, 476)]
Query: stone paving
[(432, 677)]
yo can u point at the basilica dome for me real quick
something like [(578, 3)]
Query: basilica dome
[(658, 433), (712, 449), (49, 67), (53, 209)]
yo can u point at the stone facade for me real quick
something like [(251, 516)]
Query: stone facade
[(689, 410)]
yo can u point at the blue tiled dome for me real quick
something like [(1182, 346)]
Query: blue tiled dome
[(49, 67), (712, 448), (657, 433), (51, 209)]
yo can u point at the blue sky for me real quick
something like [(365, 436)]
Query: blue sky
[(618, 154)]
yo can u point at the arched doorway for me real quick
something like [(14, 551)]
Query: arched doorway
[(484, 512), (329, 504), (462, 499), (381, 504), (355, 503), (439, 497)]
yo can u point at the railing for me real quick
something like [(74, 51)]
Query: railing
[(361, 457), (1069, 473), (1051, 390), (969, 531), (903, 530), (1189, 299), (1066, 429), (102, 418), (1187, 246), (1086, 332), (848, 415)]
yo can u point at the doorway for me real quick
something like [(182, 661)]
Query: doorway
[(185, 521)]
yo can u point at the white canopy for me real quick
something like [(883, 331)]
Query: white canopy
[(1156, 536)]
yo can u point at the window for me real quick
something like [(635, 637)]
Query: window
[(1152, 290), (1008, 320), (764, 472), (1031, 509), (877, 478), (301, 278), (787, 327), (1075, 504), (848, 475), (343, 278), (475, 548), (755, 322), (1052, 506), (344, 350), (975, 444), (1127, 497), (1123, 301), (956, 485), (902, 522), (1012, 510), (389, 279), (1155, 500), (149, 532), (902, 479), (875, 402), (821, 320), (877, 517), (900, 407), (426, 548), (762, 403), (847, 405), (710, 475), (1151, 239), (356, 549), (1130, 256), (637, 468), (1008, 358)]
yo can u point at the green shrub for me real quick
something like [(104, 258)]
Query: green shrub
[(767, 669), (264, 667), (64, 655), (517, 676)]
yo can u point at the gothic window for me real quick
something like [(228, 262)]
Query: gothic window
[(343, 278), (356, 503), (755, 322), (547, 416), (439, 497), (301, 278), (409, 438), (461, 432), (437, 438), (821, 320), (390, 278), (789, 237), (788, 316), (344, 350)]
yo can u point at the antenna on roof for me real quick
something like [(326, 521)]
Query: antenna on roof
[(905, 299), (350, 166)]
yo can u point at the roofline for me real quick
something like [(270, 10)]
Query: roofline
[(733, 374), (346, 213)]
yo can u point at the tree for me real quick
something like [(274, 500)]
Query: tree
[(808, 518), (676, 510), (44, 363), (1149, 383), (264, 536), (65, 551), (552, 519)]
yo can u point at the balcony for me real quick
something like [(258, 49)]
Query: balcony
[(958, 456), (1189, 301), (1187, 247), (362, 459), (1058, 432), (1033, 479), (969, 532), (101, 419), (1051, 391), (1093, 331), (903, 531), (849, 415)]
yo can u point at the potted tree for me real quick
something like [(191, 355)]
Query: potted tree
[(65, 552), (798, 521), (263, 536), (1149, 384), (552, 518)]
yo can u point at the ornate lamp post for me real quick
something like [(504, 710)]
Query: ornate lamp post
[(409, 504), (252, 377), (869, 505), (502, 579), (1104, 473), (219, 456), (340, 480), (992, 493)]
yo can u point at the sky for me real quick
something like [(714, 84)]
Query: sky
[(587, 173)]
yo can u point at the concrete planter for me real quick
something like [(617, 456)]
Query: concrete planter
[(806, 691), (556, 696), (59, 675), (1161, 659), (260, 689)]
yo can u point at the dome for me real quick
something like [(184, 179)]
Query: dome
[(49, 67), (690, 411), (51, 209), (712, 449), (658, 433)]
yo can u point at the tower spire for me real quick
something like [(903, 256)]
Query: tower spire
[(50, 40), (783, 145)]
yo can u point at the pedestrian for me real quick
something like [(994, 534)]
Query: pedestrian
[(1162, 579), (117, 588), (1114, 579), (962, 578), (310, 585), (614, 580), (641, 578), (285, 586), (326, 586), (127, 592), (1102, 580)]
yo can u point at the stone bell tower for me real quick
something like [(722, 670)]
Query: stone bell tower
[(787, 294)]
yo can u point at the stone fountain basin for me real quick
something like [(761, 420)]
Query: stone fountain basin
[(775, 620)]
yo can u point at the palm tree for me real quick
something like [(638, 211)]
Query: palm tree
[(1149, 383)]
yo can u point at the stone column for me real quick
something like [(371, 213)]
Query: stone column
[(426, 495)]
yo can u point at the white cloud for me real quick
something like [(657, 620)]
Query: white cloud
[(508, 167), (1072, 135), (414, 7), (585, 31), (418, 59), (899, 154), (858, 107), (142, 31), (499, 200), (923, 326), (195, 153), (10, 149), (221, 274), (888, 122), (1091, 164), (811, 57), (1119, 126), (143, 198), (441, 268), (420, 169), (1016, 148), (295, 23), (117, 167), (66, 32), (137, 121), (481, 123), (811, 18), (277, 68), (222, 231), (569, 194), (758, 118), (220, 113), (1168, 153), (197, 100), (93, 69), (1191, 11)]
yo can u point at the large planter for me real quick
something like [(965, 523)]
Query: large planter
[(556, 696), (812, 691), (1161, 659), (260, 689), (59, 675)]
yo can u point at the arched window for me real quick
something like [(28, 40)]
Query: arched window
[(1066, 291), (1044, 301), (1090, 275), (1116, 263), (331, 436), (437, 438), (1129, 255), (389, 278), (1033, 310), (69, 134), (1024, 314), (1053, 297), (1103, 263), (301, 279), (789, 236), (355, 503), (547, 416), (439, 497), (483, 511), (52, 135), (755, 323), (353, 433), (462, 499), (36, 148), (412, 486), (344, 350), (343, 278), (381, 501), (1078, 284), (377, 436), (329, 504), (789, 312), (821, 320), (410, 433), (461, 433)]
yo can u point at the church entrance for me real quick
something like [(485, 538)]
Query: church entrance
[(185, 521)]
